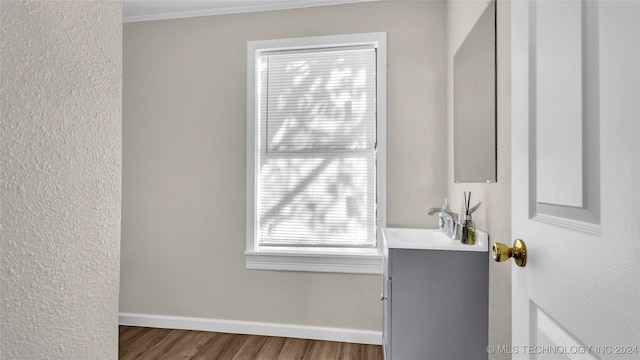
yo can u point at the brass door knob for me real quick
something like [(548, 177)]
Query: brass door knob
[(518, 252)]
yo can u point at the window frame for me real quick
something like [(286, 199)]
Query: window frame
[(315, 259)]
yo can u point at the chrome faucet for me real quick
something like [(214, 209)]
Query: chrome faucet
[(454, 226)]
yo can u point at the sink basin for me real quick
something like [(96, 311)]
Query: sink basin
[(430, 239), (415, 237)]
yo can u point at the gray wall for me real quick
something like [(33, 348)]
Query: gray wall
[(61, 79), (184, 106), (494, 216)]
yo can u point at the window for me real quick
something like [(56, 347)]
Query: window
[(316, 119)]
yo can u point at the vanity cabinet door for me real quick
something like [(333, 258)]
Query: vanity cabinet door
[(386, 318), (386, 308), (438, 305)]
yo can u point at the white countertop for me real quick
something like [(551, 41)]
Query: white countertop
[(430, 239)]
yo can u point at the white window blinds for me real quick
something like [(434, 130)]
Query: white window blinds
[(317, 147)]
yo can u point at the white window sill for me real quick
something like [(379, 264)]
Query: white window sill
[(355, 261)]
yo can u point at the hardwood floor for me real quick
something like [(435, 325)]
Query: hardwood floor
[(153, 343)]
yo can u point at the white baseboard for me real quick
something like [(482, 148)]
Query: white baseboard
[(253, 328)]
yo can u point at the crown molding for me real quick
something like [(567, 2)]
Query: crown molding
[(218, 10)]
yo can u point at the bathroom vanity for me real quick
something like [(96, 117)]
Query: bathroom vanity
[(435, 296)]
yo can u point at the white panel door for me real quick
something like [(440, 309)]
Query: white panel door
[(576, 179)]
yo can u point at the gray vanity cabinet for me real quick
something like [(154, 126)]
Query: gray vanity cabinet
[(435, 304)]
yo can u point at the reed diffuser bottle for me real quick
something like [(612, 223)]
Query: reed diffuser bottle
[(468, 230)]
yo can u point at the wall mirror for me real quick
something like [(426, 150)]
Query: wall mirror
[(474, 102)]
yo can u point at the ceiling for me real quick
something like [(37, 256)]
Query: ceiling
[(145, 10)]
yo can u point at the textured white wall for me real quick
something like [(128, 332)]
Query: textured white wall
[(494, 215), (61, 171), (184, 128)]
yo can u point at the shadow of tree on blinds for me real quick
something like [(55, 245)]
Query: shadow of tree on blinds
[(317, 151)]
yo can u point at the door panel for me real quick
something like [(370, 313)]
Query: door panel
[(565, 155), (576, 178), (558, 104), (551, 335)]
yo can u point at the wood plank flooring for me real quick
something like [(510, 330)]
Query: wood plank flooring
[(151, 343)]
